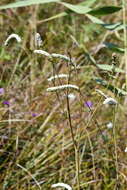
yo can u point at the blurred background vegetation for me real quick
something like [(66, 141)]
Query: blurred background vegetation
[(36, 147)]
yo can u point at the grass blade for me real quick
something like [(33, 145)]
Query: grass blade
[(77, 8), (105, 10), (27, 3)]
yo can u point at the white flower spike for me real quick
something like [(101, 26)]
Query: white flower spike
[(125, 149), (38, 40), (66, 186), (42, 52), (71, 96), (110, 101), (55, 88), (16, 36), (55, 55), (110, 125), (58, 76)]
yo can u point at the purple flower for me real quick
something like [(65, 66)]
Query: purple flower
[(6, 103), (34, 114), (1, 91), (88, 104)]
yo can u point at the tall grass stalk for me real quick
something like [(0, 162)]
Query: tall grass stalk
[(115, 143), (74, 143), (25, 170), (125, 37), (33, 61)]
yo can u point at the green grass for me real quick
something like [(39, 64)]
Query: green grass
[(45, 137)]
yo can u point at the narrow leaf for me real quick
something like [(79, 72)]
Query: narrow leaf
[(113, 26), (110, 87), (53, 17), (77, 8), (27, 3), (113, 47), (107, 67), (95, 19), (87, 3), (105, 10)]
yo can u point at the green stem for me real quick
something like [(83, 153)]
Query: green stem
[(74, 143), (115, 144), (125, 38)]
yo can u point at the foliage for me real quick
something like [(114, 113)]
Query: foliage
[(54, 124)]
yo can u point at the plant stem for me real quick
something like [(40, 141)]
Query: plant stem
[(33, 28), (115, 144), (125, 38), (74, 143)]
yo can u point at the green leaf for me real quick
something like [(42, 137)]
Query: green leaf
[(53, 17), (95, 19), (77, 8), (114, 47), (110, 87), (87, 3), (27, 3), (113, 26), (110, 68), (105, 10), (90, 58)]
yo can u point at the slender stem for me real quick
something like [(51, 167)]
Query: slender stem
[(125, 38), (70, 123), (33, 61), (77, 161), (25, 170), (74, 143), (115, 144)]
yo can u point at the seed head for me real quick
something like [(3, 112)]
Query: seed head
[(42, 52), (66, 186), (16, 36), (57, 76), (55, 55), (71, 96), (110, 125), (110, 101), (125, 149), (38, 40), (62, 87)]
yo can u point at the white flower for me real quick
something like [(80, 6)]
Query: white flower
[(17, 37), (54, 55), (71, 96), (125, 149), (68, 187), (38, 40), (61, 87), (110, 125), (57, 76), (110, 101), (60, 56), (42, 52)]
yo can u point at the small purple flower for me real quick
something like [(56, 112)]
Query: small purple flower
[(6, 103), (1, 91), (34, 114), (88, 104)]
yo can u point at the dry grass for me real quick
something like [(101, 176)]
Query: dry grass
[(47, 137)]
